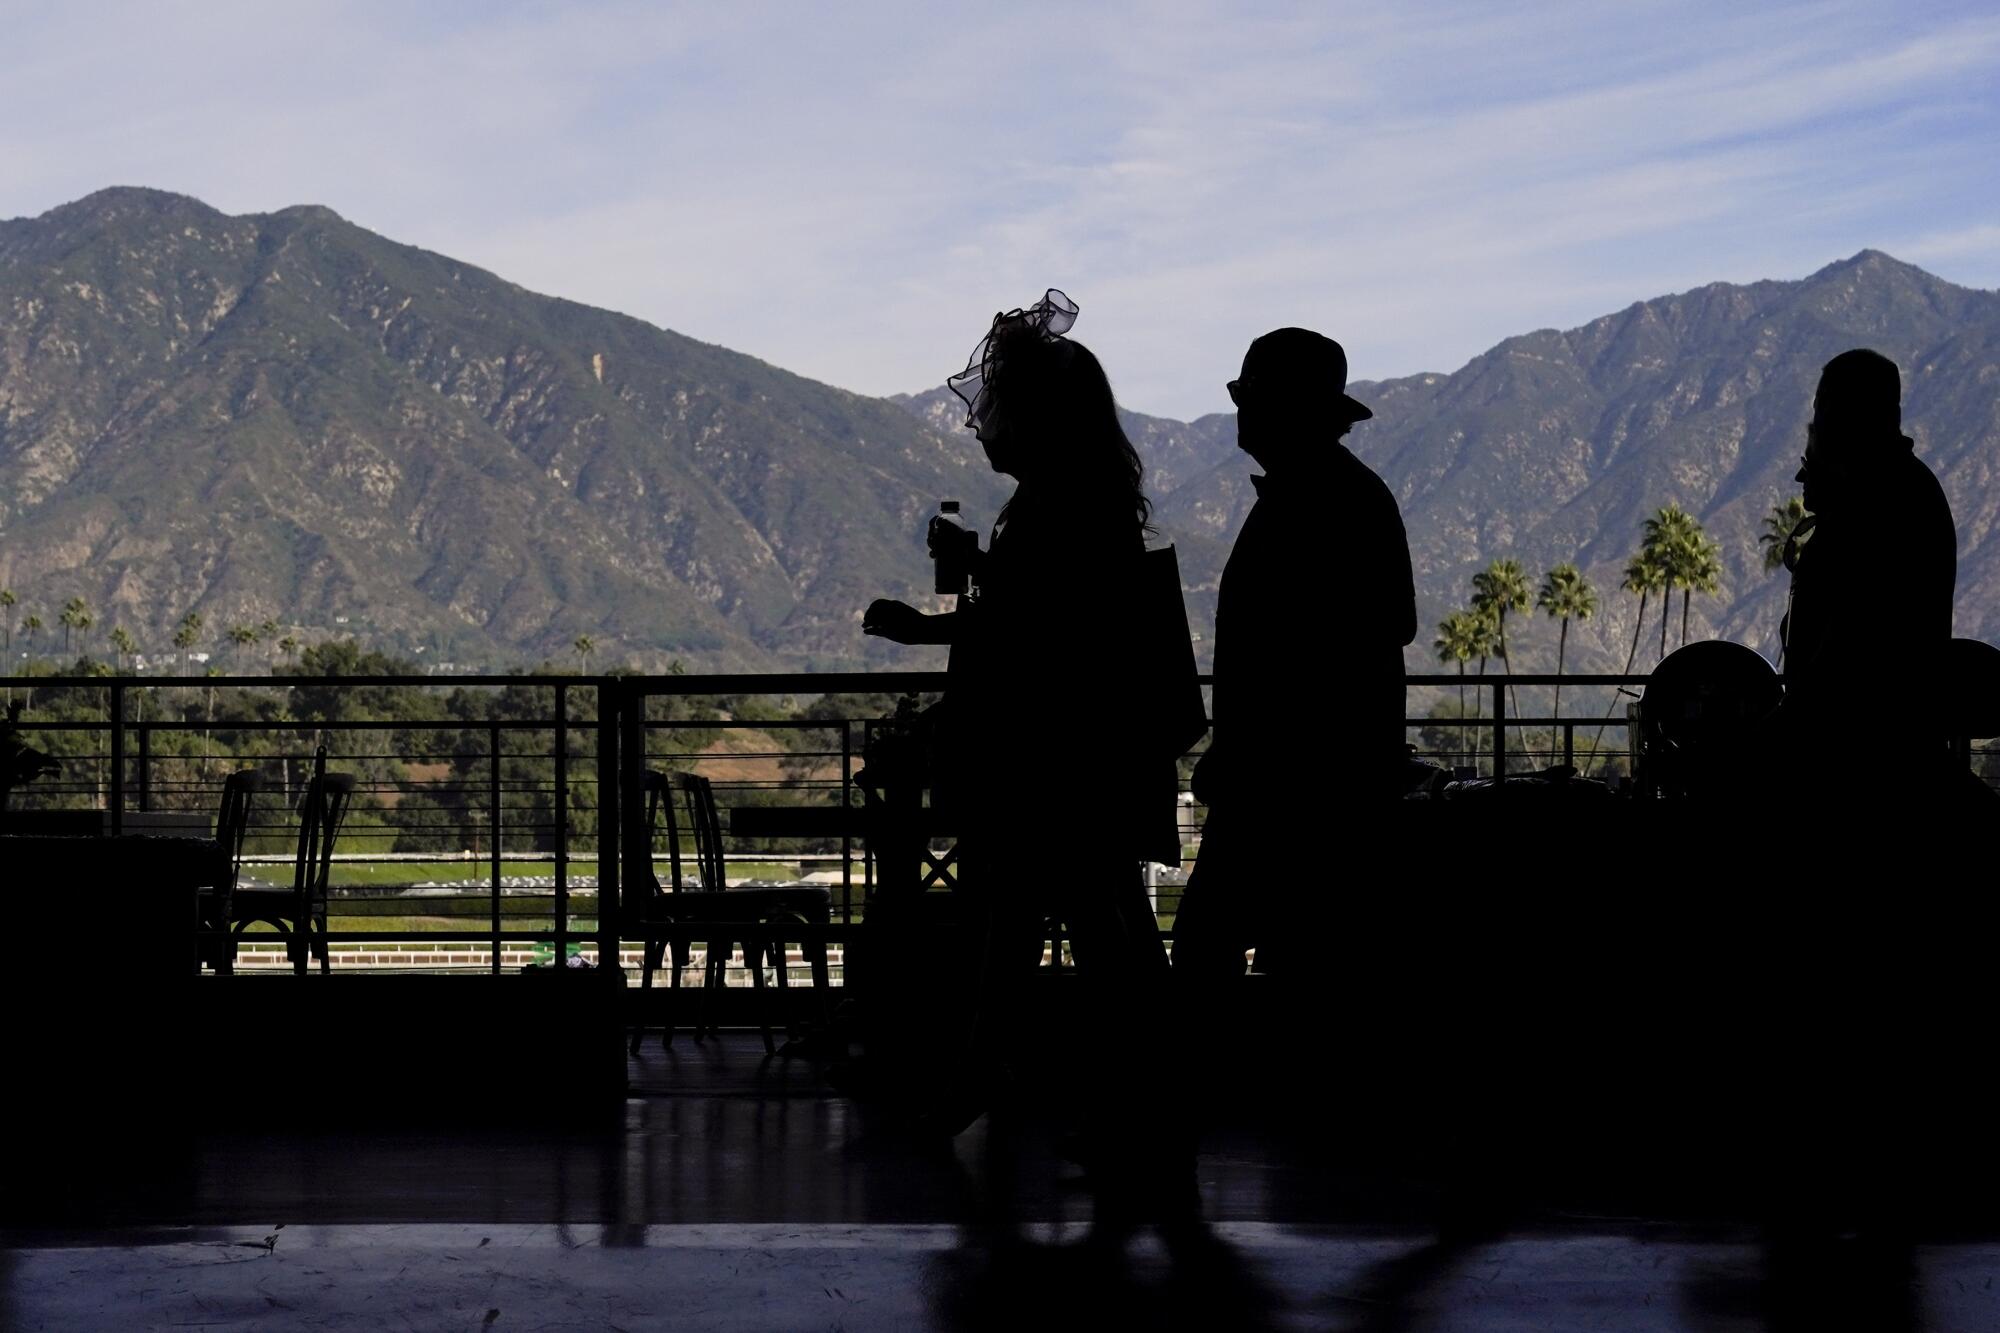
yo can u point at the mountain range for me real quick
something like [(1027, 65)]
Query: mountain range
[(286, 416)]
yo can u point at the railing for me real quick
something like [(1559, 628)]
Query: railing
[(541, 785)]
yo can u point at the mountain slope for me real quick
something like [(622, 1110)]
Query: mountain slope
[(287, 415), (1556, 445)]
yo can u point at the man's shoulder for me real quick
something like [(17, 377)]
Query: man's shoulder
[(1918, 500), (1361, 485)]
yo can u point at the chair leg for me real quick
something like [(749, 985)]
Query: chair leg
[(755, 949), (713, 967), (648, 954), (678, 955), (815, 952), (778, 971)]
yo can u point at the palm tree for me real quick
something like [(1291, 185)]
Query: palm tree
[(1566, 595), (1671, 536), (1645, 575), (1497, 589), (1480, 631), (124, 643), (31, 624), (289, 646), (187, 635), (243, 636), (1779, 525), (1459, 640), (1701, 571), (185, 638), (584, 647), (75, 616)]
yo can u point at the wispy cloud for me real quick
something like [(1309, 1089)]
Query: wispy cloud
[(850, 194)]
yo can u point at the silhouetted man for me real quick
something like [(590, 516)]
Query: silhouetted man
[(1872, 581), (1315, 606)]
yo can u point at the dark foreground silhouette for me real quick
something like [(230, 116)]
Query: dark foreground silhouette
[(1873, 571), (1319, 509), (1063, 578)]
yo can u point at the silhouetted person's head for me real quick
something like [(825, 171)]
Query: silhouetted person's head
[(1857, 426), (1291, 397), (1046, 417)]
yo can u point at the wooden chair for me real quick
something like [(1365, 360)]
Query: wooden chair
[(232, 822), (671, 918), (299, 913)]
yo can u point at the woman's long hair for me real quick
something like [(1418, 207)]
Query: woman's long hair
[(1058, 406)]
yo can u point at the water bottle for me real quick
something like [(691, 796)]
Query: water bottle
[(950, 540)]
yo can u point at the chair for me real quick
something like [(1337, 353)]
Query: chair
[(670, 918), (232, 822), (299, 913)]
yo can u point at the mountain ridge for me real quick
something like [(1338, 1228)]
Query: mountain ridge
[(286, 415)]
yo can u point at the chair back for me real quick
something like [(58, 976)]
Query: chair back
[(707, 831), (669, 798), (660, 805), (232, 822), (321, 810)]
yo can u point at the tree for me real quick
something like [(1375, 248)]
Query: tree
[(289, 646), (1566, 595), (187, 635), (7, 600), (126, 645), (1461, 637), (1779, 525), (1644, 575), (1675, 539), (31, 624), (243, 636), (584, 647), (75, 616), (1497, 589), (185, 638), (1701, 571)]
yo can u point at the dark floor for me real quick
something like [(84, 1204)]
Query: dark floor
[(731, 1190)]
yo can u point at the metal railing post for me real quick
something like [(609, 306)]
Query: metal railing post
[(608, 703), (562, 826), (1500, 730), (493, 799), (1569, 744), (846, 825), (867, 848), (117, 699), (636, 845)]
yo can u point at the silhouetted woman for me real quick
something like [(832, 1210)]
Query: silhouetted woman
[(1060, 798)]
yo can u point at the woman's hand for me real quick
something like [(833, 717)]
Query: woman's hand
[(898, 622)]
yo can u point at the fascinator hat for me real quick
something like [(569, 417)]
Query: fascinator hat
[(1043, 323)]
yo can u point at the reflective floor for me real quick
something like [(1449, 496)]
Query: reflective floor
[(735, 1191)]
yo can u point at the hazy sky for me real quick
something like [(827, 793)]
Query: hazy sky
[(850, 191)]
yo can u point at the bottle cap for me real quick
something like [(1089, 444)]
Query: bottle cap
[(948, 506)]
